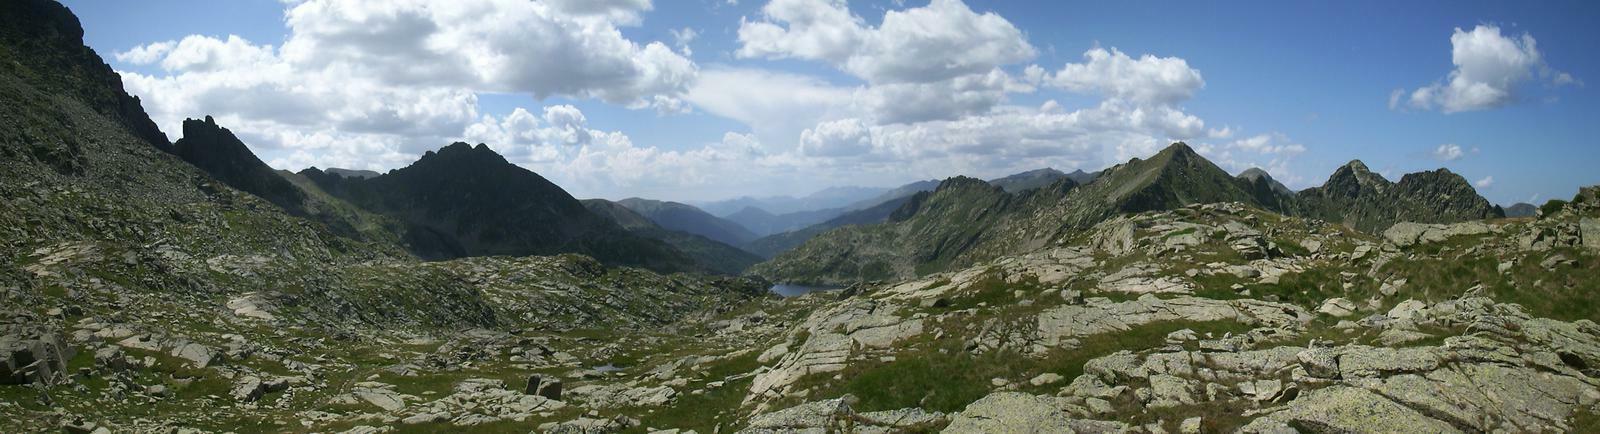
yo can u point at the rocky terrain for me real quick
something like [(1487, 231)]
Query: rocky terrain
[(145, 290)]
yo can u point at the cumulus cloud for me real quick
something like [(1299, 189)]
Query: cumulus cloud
[(940, 41), (1490, 67), (560, 145), (371, 84), (1148, 79), (934, 97), (146, 54), (936, 62), (845, 137), (488, 45), (1272, 152)]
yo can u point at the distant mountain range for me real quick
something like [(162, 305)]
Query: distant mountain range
[(772, 245), (831, 197), (1522, 209), (352, 173), (686, 218), (967, 220), (717, 256), (764, 223)]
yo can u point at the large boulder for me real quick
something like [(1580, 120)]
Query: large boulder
[(32, 357), (833, 415), (1016, 412)]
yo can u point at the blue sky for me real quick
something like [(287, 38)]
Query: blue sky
[(993, 88)]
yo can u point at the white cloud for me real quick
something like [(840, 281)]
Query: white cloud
[(841, 138), (937, 62), (1148, 79), (1486, 182), (145, 54), (620, 11), (487, 45), (1450, 152), (776, 105), (936, 102), (941, 41), (1269, 144), (1272, 152), (560, 145), (683, 37), (355, 79), (940, 100), (1489, 70)]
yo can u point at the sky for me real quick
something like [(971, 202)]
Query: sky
[(696, 100)]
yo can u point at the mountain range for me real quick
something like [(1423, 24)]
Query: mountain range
[(686, 218), (965, 220), (831, 197), (716, 256), (466, 200)]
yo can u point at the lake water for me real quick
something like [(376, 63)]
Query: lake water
[(794, 290)]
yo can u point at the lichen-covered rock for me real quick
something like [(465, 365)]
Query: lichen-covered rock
[(1015, 412), (1347, 409)]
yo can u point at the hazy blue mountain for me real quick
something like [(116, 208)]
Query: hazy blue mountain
[(831, 197), (352, 173), (1521, 209), (685, 218), (895, 193), (775, 244), (715, 256)]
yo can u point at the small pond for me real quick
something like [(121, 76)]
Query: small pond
[(787, 290)]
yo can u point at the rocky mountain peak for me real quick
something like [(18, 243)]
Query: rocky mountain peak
[(44, 46), (1258, 177), (220, 153), (462, 152), (1179, 148), (1353, 178), (1356, 166), (958, 183)]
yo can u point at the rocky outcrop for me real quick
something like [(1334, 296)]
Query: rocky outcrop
[(1059, 325), (45, 45), (1013, 412), (1407, 234), (31, 355), (219, 153), (1358, 198)]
